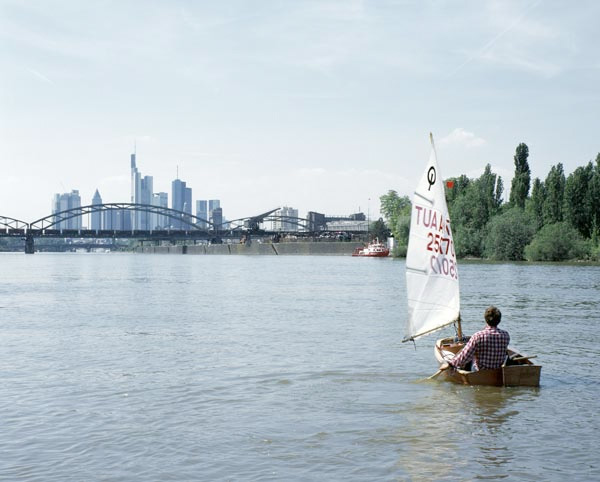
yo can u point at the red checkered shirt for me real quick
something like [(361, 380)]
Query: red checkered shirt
[(487, 348)]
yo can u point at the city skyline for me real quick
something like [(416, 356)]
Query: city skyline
[(317, 105)]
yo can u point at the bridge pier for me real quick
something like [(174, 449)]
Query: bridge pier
[(29, 246)]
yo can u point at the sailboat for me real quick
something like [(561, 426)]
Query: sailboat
[(433, 288)]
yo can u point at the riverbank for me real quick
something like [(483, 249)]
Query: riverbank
[(255, 248)]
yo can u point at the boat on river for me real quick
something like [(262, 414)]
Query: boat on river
[(375, 249), (433, 288)]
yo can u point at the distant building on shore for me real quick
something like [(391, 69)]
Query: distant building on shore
[(64, 202)]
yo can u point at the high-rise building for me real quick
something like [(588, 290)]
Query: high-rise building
[(213, 205), (202, 212), (96, 216), (287, 221), (146, 194), (141, 193), (64, 202), (181, 200), (158, 221), (217, 218)]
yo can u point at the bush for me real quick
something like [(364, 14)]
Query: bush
[(508, 234), (558, 242)]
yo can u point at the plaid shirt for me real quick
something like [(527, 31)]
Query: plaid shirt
[(487, 347)]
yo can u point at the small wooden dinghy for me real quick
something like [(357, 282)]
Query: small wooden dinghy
[(433, 289), (517, 371)]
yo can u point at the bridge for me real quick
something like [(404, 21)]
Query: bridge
[(116, 222)]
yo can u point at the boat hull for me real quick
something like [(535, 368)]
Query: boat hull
[(518, 371)]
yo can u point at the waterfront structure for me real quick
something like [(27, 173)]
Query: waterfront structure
[(158, 221), (96, 216), (202, 211), (181, 200), (63, 202)]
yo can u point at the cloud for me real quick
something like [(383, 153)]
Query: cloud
[(40, 76), (462, 138)]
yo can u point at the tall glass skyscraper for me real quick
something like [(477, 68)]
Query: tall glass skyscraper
[(202, 211), (141, 193), (181, 200), (64, 202), (96, 216)]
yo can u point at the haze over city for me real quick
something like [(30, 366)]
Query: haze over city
[(320, 105)]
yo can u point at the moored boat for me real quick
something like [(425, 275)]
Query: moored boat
[(433, 288), (375, 249)]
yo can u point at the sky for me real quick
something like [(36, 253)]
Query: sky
[(318, 105)]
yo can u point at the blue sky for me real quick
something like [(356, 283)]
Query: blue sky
[(319, 105)]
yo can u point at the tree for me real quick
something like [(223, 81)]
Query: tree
[(519, 188), (396, 211), (557, 242), (477, 201), (379, 230), (578, 200), (552, 209), (508, 234), (535, 203)]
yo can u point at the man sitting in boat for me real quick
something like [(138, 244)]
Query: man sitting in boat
[(487, 348)]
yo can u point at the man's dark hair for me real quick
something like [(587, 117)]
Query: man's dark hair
[(492, 316)]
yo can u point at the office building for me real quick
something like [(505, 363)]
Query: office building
[(181, 200), (159, 221), (214, 204), (217, 218), (97, 215), (141, 193), (286, 219), (202, 212), (64, 202)]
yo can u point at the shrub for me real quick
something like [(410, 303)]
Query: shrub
[(508, 234), (558, 242)]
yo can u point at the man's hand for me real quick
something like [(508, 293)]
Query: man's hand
[(445, 366)]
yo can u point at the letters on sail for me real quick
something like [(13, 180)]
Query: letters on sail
[(431, 271)]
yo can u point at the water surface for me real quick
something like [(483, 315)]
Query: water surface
[(144, 367)]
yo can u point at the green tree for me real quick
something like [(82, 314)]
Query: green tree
[(379, 230), (579, 200), (508, 234), (471, 209), (396, 211), (519, 188), (552, 209), (557, 242), (535, 203)]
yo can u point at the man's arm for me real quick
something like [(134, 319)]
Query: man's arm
[(464, 356)]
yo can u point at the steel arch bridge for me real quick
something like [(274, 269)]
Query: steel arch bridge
[(7, 224), (188, 220)]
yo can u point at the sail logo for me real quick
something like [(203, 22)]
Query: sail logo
[(438, 241)]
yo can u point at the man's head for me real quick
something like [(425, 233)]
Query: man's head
[(492, 316)]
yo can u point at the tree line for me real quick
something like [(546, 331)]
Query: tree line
[(555, 219)]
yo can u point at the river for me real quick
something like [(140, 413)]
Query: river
[(124, 367)]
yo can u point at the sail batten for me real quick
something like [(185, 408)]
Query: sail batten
[(431, 273)]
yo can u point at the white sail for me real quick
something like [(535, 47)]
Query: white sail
[(431, 271)]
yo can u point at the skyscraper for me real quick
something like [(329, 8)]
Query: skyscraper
[(158, 221), (202, 211), (141, 193), (213, 205), (181, 200), (96, 216), (64, 202), (146, 193), (288, 220)]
